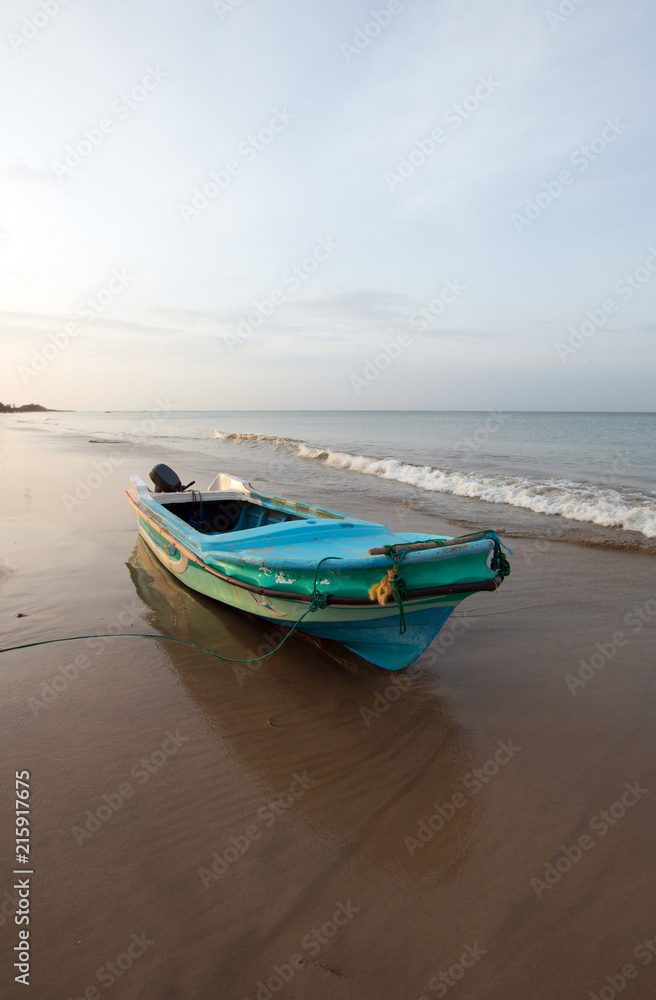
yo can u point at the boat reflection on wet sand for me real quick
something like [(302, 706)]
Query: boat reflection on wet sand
[(378, 755)]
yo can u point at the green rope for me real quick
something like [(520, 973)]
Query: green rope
[(400, 595), (318, 602), (399, 588), (498, 564), (148, 635)]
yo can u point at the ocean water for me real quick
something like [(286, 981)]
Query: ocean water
[(586, 476)]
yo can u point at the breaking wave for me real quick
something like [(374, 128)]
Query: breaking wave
[(606, 506)]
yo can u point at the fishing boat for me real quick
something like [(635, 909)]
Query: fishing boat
[(383, 595)]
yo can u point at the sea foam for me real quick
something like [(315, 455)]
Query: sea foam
[(577, 501)]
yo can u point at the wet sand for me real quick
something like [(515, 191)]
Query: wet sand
[(313, 828)]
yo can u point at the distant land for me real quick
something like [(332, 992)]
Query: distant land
[(26, 408)]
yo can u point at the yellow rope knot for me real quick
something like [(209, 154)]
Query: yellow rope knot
[(392, 585), (383, 591)]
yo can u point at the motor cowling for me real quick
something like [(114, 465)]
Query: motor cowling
[(166, 480)]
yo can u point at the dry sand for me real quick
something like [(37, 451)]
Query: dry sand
[(203, 831)]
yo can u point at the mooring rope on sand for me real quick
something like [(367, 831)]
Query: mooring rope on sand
[(318, 602)]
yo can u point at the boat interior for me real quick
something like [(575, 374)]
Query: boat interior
[(216, 517)]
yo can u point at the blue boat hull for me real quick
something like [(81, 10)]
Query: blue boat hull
[(380, 642)]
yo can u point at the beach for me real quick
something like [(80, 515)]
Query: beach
[(479, 826)]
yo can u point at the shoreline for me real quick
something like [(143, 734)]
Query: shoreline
[(161, 777), (517, 522)]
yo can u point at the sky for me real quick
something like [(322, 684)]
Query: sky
[(418, 204)]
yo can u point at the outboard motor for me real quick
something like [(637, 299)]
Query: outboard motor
[(166, 480)]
